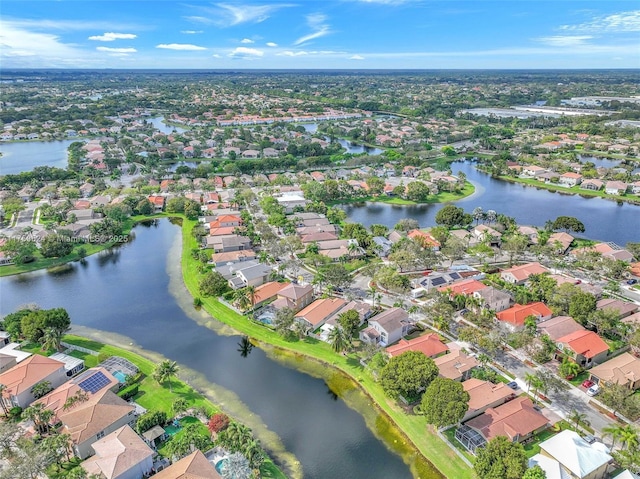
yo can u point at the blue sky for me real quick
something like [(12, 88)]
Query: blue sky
[(358, 34)]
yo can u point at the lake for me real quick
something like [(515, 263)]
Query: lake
[(603, 219), (130, 291), (159, 124), (22, 156), (351, 147)]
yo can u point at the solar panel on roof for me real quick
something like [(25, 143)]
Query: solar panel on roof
[(454, 275), (95, 383), (437, 281)]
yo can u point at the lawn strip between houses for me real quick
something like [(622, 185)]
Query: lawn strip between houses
[(413, 427)]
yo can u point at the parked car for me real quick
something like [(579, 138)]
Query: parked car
[(593, 390), (632, 281), (587, 383), (513, 385)]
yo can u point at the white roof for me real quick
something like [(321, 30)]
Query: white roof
[(69, 361), (574, 453), (626, 474), (10, 350), (550, 466)]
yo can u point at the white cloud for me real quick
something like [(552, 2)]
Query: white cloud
[(289, 53), (246, 53), (224, 14), (111, 36), (116, 50), (356, 57), (215, 55), (179, 46), (272, 45), (617, 22), (316, 22), (191, 32), (564, 40), (72, 25), (246, 40)]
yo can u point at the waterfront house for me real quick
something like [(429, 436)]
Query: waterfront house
[(219, 259), (568, 455), (387, 327), (318, 312), (570, 179), (456, 365), (592, 184), (294, 296), (193, 466), (120, 455), (615, 187), (21, 378), (484, 395), (560, 242), (430, 345)]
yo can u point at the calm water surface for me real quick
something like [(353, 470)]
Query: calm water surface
[(26, 155), (603, 219), (126, 292)]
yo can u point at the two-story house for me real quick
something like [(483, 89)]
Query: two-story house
[(387, 327)]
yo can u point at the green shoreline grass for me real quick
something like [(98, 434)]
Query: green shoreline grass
[(444, 197), (414, 428), (155, 396)]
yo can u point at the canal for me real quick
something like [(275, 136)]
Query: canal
[(132, 291)]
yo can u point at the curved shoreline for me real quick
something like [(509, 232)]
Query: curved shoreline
[(442, 462)]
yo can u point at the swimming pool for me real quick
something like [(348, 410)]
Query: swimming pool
[(220, 465), (120, 376)]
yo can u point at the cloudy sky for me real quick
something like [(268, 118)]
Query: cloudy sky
[(320, 34)]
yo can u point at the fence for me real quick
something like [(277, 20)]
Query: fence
[(73, 347)]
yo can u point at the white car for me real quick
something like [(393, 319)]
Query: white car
[(593, 390)]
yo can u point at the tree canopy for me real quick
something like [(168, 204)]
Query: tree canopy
[(408, 374), (500, 459), (444, 402)]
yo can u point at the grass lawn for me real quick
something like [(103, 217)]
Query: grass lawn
[(90, 360), (443, 197), (450, 434), (413, 428), (579, 379), (533, 447), (185, 421)]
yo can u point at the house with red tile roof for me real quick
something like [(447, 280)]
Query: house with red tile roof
[(484, 395), (570, 179), (267, 291), (157, 202), (584, 347), (194, 466), (514, 317), (466, 287), (315, 315), (424, 238), (429, 344), (517, 420), (20, 379), (520, 274), (456, 365)]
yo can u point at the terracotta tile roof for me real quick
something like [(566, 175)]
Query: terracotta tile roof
[(484, 393), (194, 466), (268, 291), (320, 310), (295, 291), (586, 343), (26, 374), (559, 326), (518, 313), (523, 272), (428, 344), (514, 419), (466, 286), (423, 236), (86, 419), (117, 453), (455, 364)]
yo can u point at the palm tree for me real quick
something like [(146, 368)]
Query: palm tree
[(165, 371), (529, 378), (615, 431), (629, 437), (51, 339), (373, 292), (483, 359), (179, 405), (40, 416), (241, 299), (569, 369), (40, 389), (578, 418), (251, 294), (339, 341)]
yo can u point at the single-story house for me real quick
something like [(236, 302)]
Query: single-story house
[(315, 315), (466, 286), (429, 344), (559, 326), (456, 365), (267, 291), (219, 259), (484, 395), (585, 347), (560, 241), (622, 308), (592, 184), (520, 274)]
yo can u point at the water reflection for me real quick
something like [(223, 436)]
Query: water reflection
[(245, 346)]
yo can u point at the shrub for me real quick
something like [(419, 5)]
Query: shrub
[(150, 419), (218, 422), (128, 392)]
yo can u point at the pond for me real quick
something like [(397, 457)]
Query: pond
[(22, 156)]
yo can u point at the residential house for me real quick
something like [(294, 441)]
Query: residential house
[(20, 379), (291, 201), (530, 232), (6, 362), (157, 202), (485, 233), (592, 184), (493, 299), (91, 420), (424, 238), (100, 201), (387, 327), (520, 274), (532, 171), (517, 420), (318, 312), (622, 308), (383, 246), (429, 344), (456, 365), (317, 237), (585, 348), (227, 243), (294, 296), (615, 187), (559, 326), (623, 370), (484, 395), (267, 291), (635, 187), (514, 317), (570, 179), (254, 275), (194, 466), (560, 242), (568, 455), (466, 287), (219, 259), (120, 455), (363, 309)]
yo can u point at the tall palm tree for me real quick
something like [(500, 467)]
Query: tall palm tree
[(51, 339), (373, 292), (241, 299), (615, 431), (165, 371), (529, 378), (251, 294), (578, 418), (339, 341), (629, 437)]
